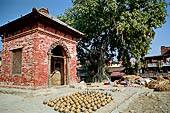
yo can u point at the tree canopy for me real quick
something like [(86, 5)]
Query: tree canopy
[(114, 28)]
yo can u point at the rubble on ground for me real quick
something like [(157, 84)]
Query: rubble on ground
[(129, 81), (81, 85), (161, 84)]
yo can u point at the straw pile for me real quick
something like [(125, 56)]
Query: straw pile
[(160, 84), (168, 77), (128, 77), (160, 78)]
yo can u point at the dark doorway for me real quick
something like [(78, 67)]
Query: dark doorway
[(57, 66)]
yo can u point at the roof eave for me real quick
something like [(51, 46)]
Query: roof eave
[(35, 11)]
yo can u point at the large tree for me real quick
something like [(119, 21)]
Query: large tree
[(114, 28)]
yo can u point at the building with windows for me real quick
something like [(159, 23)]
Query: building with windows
[(159, 63), (38, 51)]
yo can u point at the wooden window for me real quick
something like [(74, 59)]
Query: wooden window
[(16, 61)]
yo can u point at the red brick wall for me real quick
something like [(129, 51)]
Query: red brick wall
[(42, 44), (34, 60), (27, 76)]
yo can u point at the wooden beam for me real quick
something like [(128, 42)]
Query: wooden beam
[(57, 56)]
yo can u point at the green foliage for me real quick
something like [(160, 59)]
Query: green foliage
[(125, 27)]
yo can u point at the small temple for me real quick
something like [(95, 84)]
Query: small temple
[(39, 51)]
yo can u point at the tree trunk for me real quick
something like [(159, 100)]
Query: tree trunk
[(101, 75)]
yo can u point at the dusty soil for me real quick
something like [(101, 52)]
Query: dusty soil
[(156, 102), (126, 100), (19, 101)]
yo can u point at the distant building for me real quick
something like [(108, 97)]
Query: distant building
[(159, 63), (0, 60), (115, 70), (35, 46)]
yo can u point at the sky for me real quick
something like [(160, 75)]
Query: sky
[(13, 9)]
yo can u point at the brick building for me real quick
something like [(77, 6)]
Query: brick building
[(34, 47)]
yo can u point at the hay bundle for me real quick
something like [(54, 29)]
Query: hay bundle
[(152, 84), (160, 84), (128, 77), (160, 78), (163, 86), (169, 77)]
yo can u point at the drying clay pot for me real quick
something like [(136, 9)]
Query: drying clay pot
[(45, 101)]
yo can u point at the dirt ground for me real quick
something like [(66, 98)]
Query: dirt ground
[(126, 100), (156, 102)]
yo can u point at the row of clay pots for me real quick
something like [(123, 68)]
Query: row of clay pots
[(79, 102)]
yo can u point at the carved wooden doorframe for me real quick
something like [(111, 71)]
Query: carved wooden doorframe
[(66, 61)]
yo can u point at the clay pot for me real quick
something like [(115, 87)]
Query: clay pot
[(108, 100), (98, 106), (49, 103), (89, 101), (74, 105), (68, 107), (72, 108), (83, 109), (68, 101), (71, 112), (45, 101), (86, 102), (112, 98), (75, 101), (56, 108), (61, 109), (58, 104), (89, 110), (102, 99), (66, 110), (92, 104), (102, 95), (68, 104), (77, 104), (52, 104), (86, 111), (103, 103), (78, 107), (94, 108), (96, 102), (95, 98), (64, 103), (82, 104), (78, 111), (71, 102), (65, 99), (62, 100), (88, 106), (107, 97), (55, 101)]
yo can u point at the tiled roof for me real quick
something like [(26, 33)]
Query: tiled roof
[(46, 15), (58, 21)]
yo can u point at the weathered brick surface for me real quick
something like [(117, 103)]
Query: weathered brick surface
[(26, 78), (34, 60)]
